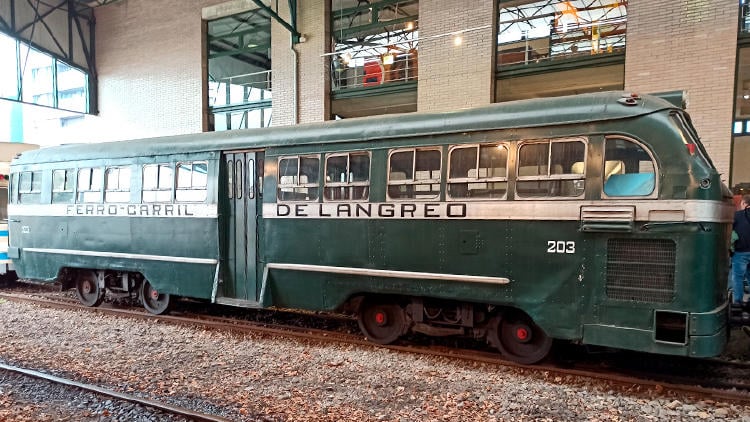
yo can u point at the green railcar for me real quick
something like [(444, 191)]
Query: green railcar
[(597, 219)]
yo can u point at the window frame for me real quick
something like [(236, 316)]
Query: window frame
[(550, 177), (654, 193), (119, 190), (349, 185), (80, 199), (158, 179), (414, 181), (193, 187), (477, 147), (296, 185)]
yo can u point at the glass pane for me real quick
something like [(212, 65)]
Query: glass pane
[(112, 179), (166, 176), (150, 177), (239, 68), (37, 76), (184, 175), (71, 88), (336, 169), (401, 166), (359, 167), (493, 161), (250, 178), (200, 174), (288, 171), (628, 169), (463, 163), (8, 68), (239, 179), (309, 170), (84, 179), (25, 183), (230, 178), (61, 181), (96, 179), (532, 159), (568, 158)]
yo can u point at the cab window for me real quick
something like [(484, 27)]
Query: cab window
[(628, 169)]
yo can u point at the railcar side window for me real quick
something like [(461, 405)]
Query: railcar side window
[(192, 178), (347, 177), (551, 168), (30, 187), (414, 173), (299, 178), (629, 170), (117, 184), (62, 186), (158, 180), (89, 185), (478, 171)]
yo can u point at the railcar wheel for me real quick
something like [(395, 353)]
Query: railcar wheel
[(381, 322), (518, 338), (154, 302), (88, 290)]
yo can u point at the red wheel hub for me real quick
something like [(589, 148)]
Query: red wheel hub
[(380, 318), (154, 294), (522, 333), (87, 287)]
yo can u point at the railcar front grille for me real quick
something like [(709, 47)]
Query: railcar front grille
[(641, 270)]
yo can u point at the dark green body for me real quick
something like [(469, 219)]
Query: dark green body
[(564, 293)]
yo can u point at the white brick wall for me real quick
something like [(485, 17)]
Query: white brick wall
[(688, 45), (450, 76)]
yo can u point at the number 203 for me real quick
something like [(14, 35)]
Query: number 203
[(561, 246)]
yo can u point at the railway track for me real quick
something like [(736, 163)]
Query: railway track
[(705, 378), (162, 410)]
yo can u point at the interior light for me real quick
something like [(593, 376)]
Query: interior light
[(409, 26), (388, 58), (457, 40), (346, 57)]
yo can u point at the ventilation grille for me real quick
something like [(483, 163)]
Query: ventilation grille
[(641, 270)]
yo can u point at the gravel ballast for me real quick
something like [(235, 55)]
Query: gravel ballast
[(259, 377)]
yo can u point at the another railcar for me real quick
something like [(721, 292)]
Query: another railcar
[(8, 150), (597, 219)]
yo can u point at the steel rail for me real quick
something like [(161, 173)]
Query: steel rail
[(739, 395), (164, 407)]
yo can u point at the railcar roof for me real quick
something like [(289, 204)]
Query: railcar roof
[(582, 108)]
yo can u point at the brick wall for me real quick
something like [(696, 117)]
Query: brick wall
[(149, 59), (450, 76), (313, 84), (688, 45)]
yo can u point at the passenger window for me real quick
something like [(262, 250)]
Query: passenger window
[(117, 184), (62, 186), (192, 179), (30, 187), (158, 180), (414, 173), (89, 185), (551, 168), (629, 170), (299, 178), (347, 177), (478, 171)]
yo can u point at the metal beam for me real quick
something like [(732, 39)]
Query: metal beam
[(291, 27)]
